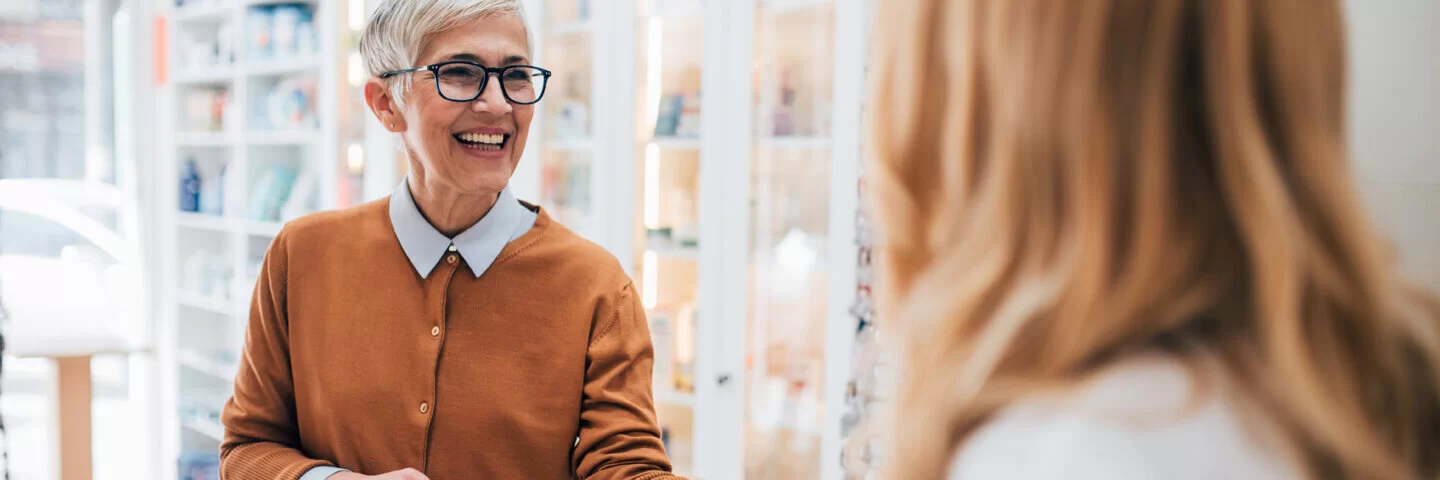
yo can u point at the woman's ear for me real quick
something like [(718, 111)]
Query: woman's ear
[(382, 104)]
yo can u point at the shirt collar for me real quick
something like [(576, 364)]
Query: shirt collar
[(479, 245)]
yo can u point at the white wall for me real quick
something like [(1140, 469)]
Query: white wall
[(1395, 123)]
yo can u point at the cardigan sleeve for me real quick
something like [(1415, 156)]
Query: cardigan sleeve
[(262, 439), (619, 435)]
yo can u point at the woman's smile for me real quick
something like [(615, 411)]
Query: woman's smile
[(484, 142)]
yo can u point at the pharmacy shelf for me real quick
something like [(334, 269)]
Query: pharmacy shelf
[(794, 143), (206, 427), (687, 12), (201, 221), (677, 253), (670, 396), (282, 66), (205, 75), (283, 137), (676, 143), (204, 364), (202, 139), (234, 240), (214, 223), (263, 229), (571, 145), (204, 302), (256, 3), (571, 28), (777, 7), (205, 12)]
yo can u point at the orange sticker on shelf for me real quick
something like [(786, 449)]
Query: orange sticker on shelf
[(161, 63)]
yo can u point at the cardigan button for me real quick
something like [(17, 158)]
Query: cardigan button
[(435, 331), (424, 407), (450, 259)]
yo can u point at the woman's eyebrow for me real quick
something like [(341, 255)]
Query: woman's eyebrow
[(470, 57)]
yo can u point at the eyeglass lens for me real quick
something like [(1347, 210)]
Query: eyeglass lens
[(461, 82)]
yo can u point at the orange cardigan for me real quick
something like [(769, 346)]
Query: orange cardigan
[(539, 369)]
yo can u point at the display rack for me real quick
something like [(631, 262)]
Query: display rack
[(246, 95), (728, 190)]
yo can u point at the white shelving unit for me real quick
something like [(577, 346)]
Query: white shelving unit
[(209, 428), (764, 192), (207, 270), (203, 139), (676, 143), (670, 396)]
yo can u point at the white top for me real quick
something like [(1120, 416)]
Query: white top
[(1140, 420)]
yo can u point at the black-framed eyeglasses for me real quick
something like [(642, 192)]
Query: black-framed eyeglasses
[(462, 81)]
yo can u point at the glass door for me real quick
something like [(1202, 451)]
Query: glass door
[(567, 142), (789, 229), (669, 57), (352, 114), (72, 264), (368, 165)]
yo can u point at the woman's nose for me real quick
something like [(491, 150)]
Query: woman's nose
[(491, 98)]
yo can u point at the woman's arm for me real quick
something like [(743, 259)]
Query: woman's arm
[(261, 437), (619, 436)]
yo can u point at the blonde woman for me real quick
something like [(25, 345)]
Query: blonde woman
[(1121, 241)]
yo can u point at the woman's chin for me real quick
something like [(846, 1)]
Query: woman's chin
[(483, 183)]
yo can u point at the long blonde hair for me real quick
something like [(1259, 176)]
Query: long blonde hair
[(1061, 183)]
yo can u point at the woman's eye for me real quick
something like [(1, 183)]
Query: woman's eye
[(458, 73)]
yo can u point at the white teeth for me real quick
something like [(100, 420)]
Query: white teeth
[(491, 138)]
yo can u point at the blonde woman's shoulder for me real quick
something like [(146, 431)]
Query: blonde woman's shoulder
[(1142, 419)]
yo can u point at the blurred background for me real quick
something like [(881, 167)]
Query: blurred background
[(150, 150)]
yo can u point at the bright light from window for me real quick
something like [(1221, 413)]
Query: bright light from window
[(355, 159), (357, 14), (649, 277), (652, 186), (356, 70), (653, 54)]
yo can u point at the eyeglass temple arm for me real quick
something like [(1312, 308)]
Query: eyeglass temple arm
[(408, 70)]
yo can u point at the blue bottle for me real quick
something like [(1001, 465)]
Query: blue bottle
[(190, 187)]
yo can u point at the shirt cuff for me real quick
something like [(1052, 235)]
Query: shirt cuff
[(321, 473)]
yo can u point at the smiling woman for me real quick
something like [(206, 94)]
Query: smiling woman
[(457, 179), (343, 370)]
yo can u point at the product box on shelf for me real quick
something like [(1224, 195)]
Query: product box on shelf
[(678, 116), (271, 193), (280, 31), (201, 192), (289, 104), (199, 465), (206, 47), (561, 11), (662, 336), (205, 109), (207, 274), (572, 120)]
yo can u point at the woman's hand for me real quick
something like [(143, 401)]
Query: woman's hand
[(406, 474)]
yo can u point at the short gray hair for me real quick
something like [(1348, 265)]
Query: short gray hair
[(398, 30)]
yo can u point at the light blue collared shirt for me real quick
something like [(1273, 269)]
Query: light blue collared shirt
[(479, 245)]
